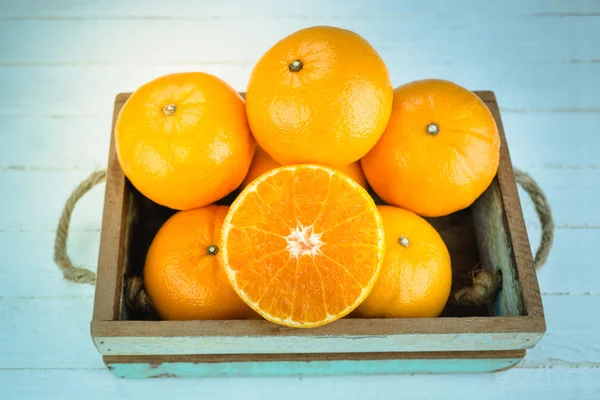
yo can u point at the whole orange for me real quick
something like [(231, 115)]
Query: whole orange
[(321, 95), (262, 163), (416, 275), (183, 140), (183, 275), (439, 152)]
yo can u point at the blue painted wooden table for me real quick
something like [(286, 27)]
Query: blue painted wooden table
[(62, 62)]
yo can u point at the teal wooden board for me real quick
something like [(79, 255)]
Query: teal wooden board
[(495, 250), (539, 56), (315, 368), (278, 344)]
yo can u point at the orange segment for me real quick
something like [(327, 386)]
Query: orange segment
[(303, 245)]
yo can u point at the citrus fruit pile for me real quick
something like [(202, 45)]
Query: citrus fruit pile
[(303, 243)]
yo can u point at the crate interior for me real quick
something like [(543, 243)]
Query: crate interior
[(456, 230)]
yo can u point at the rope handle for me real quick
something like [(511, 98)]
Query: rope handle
[(485, 284), (61, 258)]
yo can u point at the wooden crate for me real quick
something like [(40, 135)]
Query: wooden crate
[(464, 339)]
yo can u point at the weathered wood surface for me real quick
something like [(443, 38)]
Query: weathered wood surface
[(62, 61), (114, 235), (311, 365), (502, 237), (495, 250)]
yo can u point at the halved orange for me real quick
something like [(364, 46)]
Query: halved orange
[(303, 245)]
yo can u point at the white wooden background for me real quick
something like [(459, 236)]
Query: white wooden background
[(63, 61)]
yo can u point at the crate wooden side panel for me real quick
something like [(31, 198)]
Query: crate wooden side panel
[(114, 235), (502, 235), (526, 274), (309, 364), (342, 336), (495, 251)]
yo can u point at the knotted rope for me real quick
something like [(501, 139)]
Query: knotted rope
[(485, 283), (135, 296), (71, 272)]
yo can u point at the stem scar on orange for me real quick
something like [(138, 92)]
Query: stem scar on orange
[(183, 140), (321, 95), (439, 152), (183, 275), (416, 275), (262, 162), (303, 245)]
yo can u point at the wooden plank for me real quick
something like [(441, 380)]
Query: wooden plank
[(572, 336), (447, 40), (80, 141), (521, 86), (570, 193), (38, 332), (211, 9), (346, 335), (571, 340), (495, 250), (532, 300), (516, 383), (302, 357), (544, 144), (26, 188), (495, 247), (313, 364), (582, 276), (18, 258), (111, 260)]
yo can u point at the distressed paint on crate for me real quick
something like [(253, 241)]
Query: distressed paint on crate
[(495, 252), (315, 343), (314, 368)]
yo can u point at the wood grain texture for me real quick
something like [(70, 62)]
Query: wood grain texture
[(495, 250), (448, 43), (520, 90), (540, 58), (313, 364), (244, 358), (516, 383), (346, 335), (223, 344), (111, 260), (532, 300), (335, 9), (38, 321), (344, 327)]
